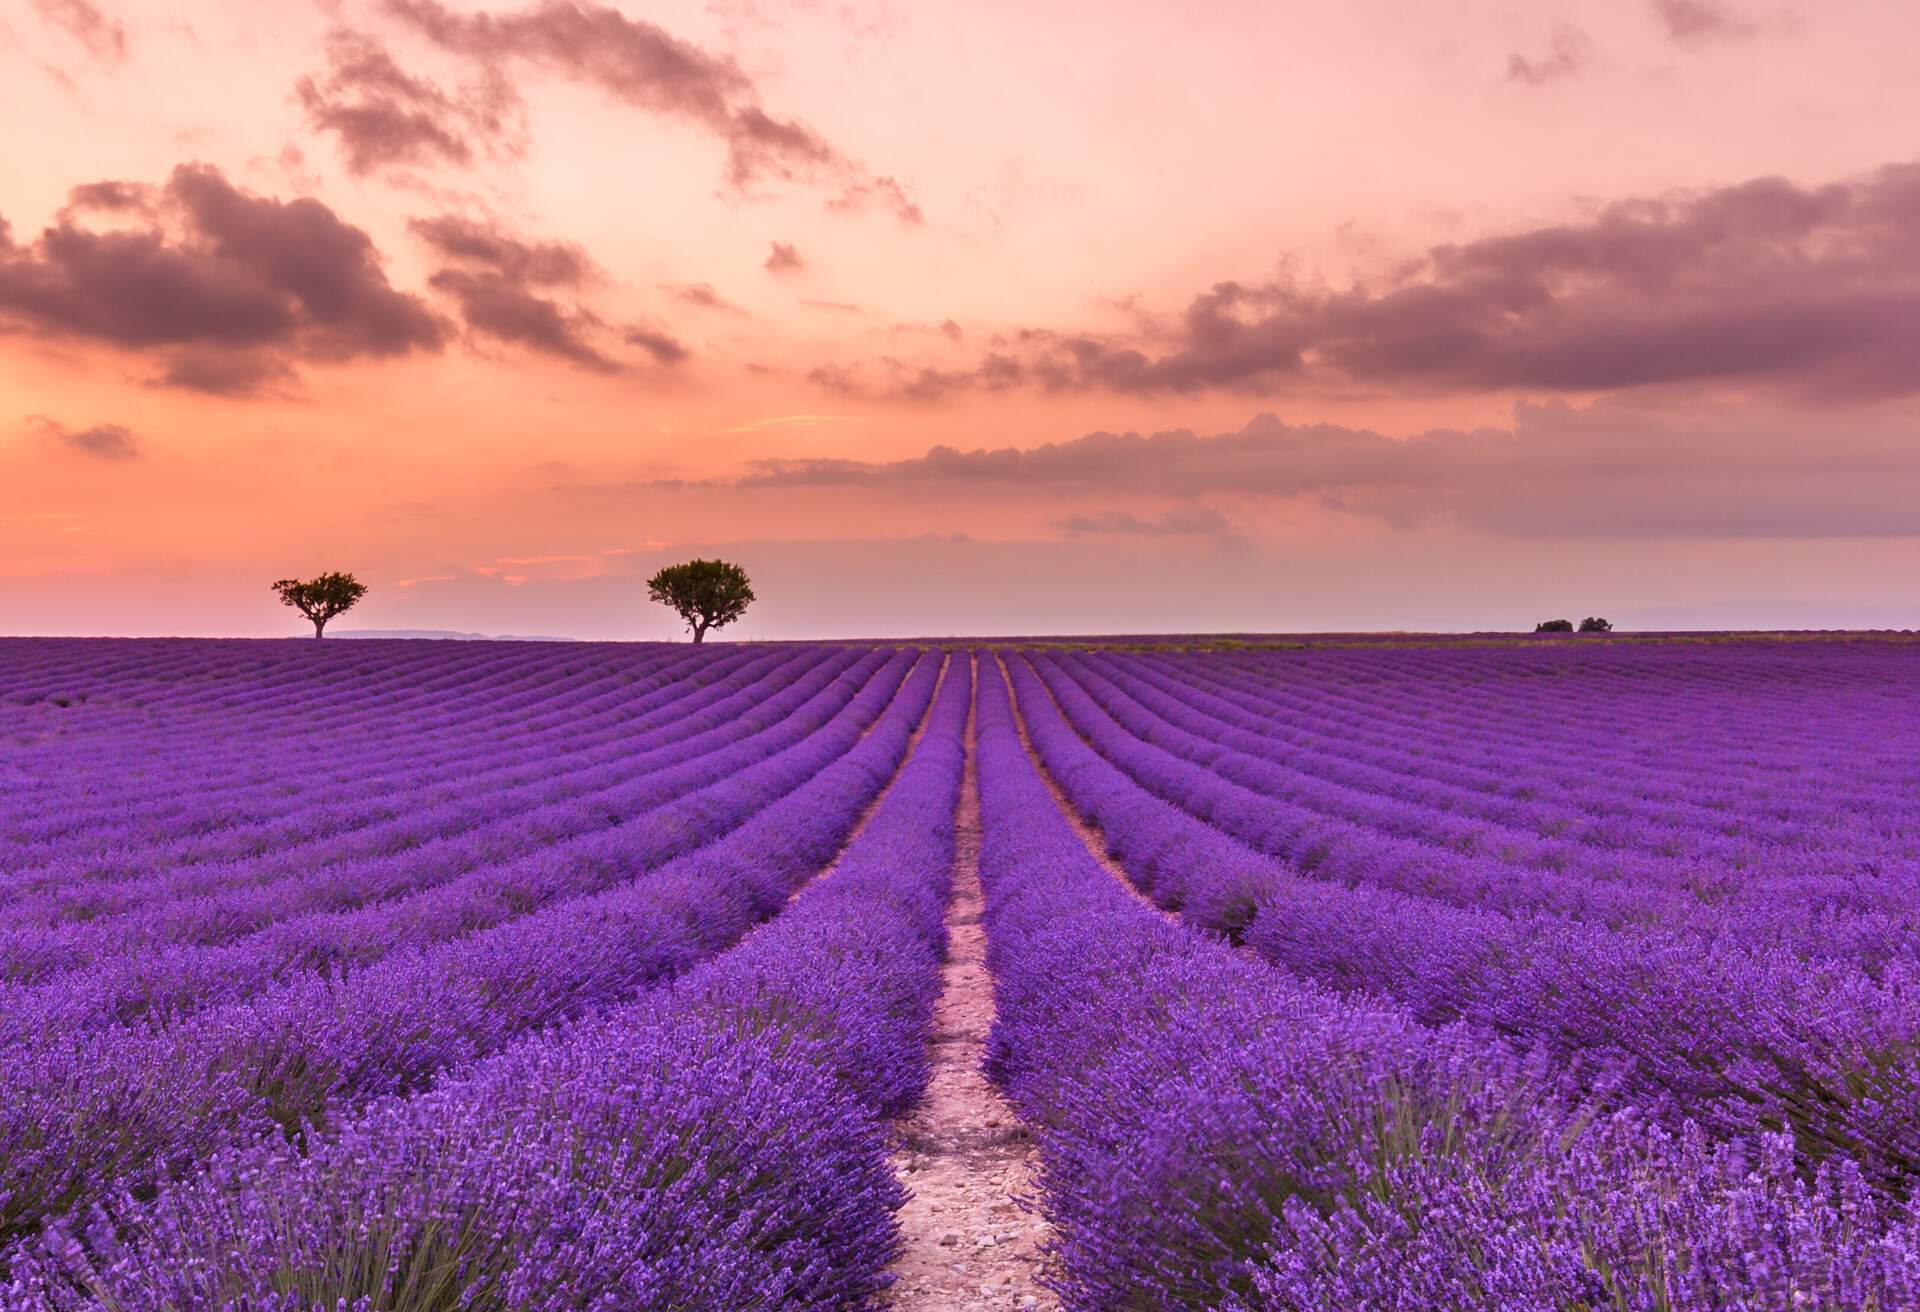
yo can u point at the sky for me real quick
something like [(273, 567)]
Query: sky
[(995, 318)]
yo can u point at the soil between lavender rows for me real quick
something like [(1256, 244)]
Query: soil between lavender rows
[(968, 1243)]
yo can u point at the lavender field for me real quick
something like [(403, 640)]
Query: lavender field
[(388, 976)]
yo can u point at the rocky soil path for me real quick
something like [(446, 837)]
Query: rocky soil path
[(969, 1244)]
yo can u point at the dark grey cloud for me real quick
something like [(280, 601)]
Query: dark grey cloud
[(506, 284), (664, 348), (213, 276), (110, 197), (385, 116), (223, 372), (641, 64), (504, 309), (1812, 291), (113, 443), (488, 245)]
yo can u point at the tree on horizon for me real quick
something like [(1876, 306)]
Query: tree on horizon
[(322, 598), (708, 594)]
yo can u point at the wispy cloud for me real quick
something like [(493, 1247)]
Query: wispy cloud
[(1181, 521), (642, 65), (793, 421), (104, 37), (1568, 52), (112, 443), (1696, 22), (1608, 470), (385, 116), (783, 258), (505, 285), (703, 296)]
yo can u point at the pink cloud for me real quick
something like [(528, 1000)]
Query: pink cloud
[(1604, 471), (104, 37), (113, 443), (641, 64), (1692, 22), (782, 258), (1569, 52)]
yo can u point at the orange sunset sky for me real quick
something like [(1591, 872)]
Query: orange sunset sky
[(960, 318)]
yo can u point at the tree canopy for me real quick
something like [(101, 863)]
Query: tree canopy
[(321, 598), (1554, 626), (707, 593)]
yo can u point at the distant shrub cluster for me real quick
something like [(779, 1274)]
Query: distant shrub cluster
[(1591, 624)]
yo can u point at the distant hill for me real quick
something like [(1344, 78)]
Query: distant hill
[(446, 635)]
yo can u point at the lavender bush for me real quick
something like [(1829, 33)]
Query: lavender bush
[(81, 1112), (397, 977), (715, 1145), (1218, 1134)]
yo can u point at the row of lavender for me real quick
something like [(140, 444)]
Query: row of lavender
[(445, 861), (711, 1144), (201, 783), (134, 1070), (1667, 759), (155, 706), (1217, 1133), (1784, 1016), (1437, 838), (1397, 831)]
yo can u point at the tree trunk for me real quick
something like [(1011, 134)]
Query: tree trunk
[(318, 625), (699, 632)]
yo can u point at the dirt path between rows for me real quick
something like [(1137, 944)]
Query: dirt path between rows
[(968, 1244)]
